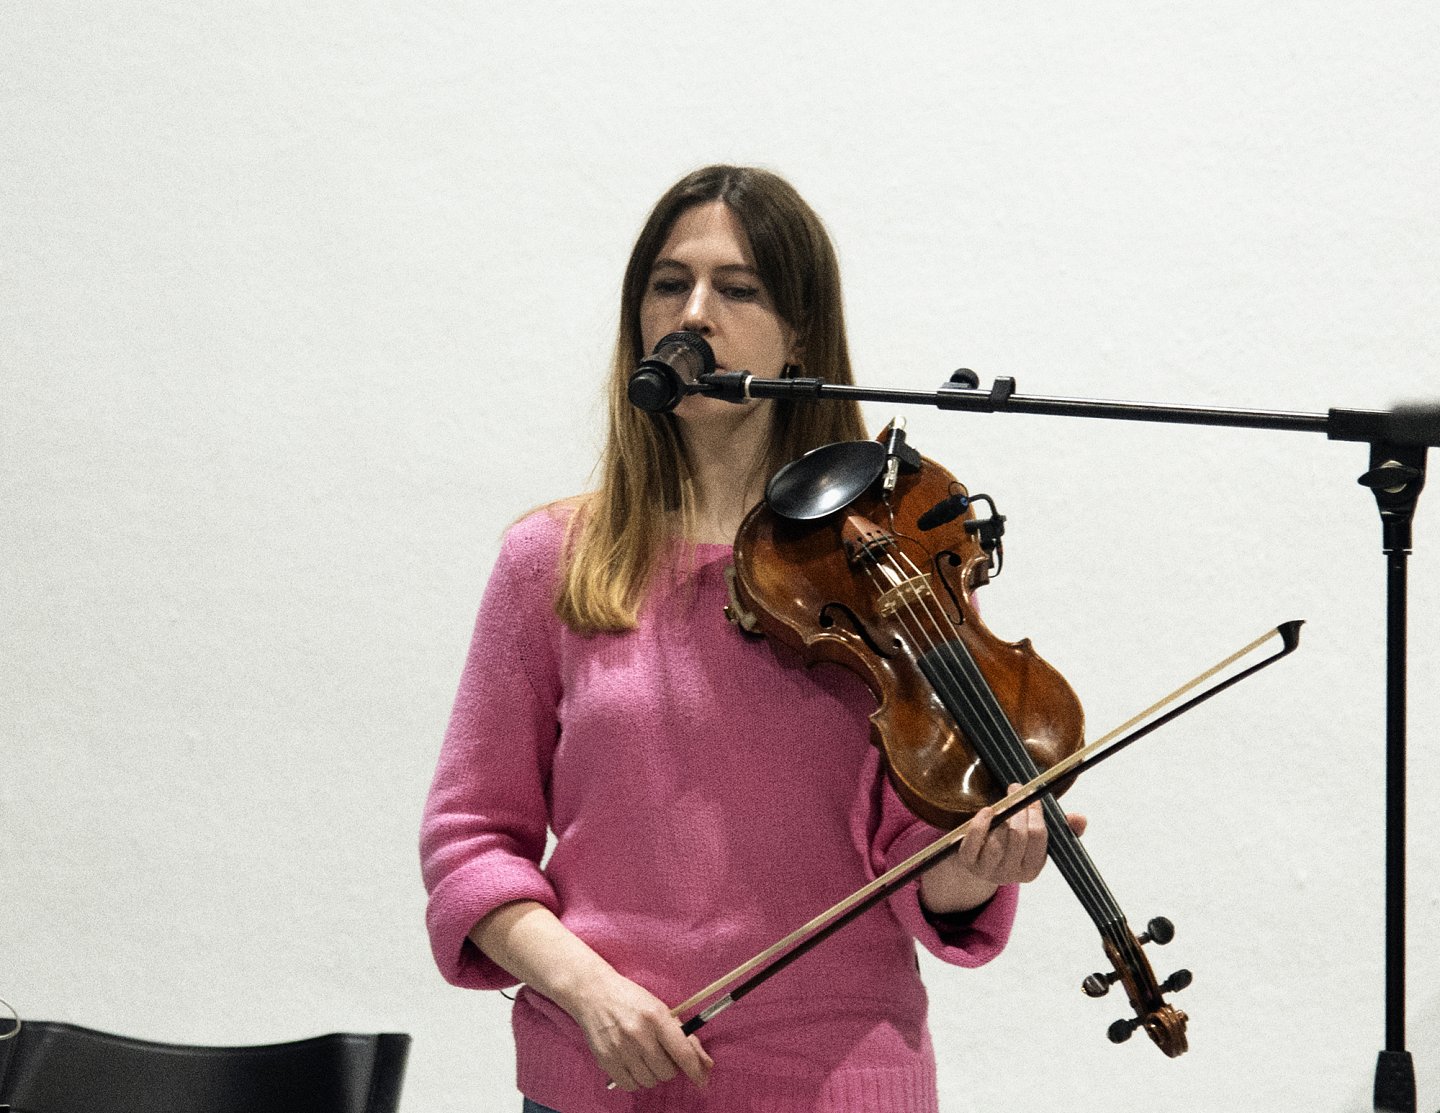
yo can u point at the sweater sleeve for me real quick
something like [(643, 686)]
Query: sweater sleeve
[(486, 819), (968, 940)]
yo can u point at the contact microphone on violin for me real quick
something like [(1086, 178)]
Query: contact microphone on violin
[(673, 370)]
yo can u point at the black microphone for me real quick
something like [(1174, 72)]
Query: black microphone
[(671, 372), (946, 510)]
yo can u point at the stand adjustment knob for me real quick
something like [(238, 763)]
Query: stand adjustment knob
[(1392, 477)]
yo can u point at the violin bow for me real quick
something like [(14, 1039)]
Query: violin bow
[(780, 954)]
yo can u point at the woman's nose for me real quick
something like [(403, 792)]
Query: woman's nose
[(697, 316)]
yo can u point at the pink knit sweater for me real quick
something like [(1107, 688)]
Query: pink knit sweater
[(707, 794)]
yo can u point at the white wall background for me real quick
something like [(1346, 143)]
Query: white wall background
[(301, 304)]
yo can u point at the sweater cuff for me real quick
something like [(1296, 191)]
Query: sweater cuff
[(465, 898), (970, 938), (951, 924)]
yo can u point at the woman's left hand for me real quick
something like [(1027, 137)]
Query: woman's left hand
[(1012, 853)]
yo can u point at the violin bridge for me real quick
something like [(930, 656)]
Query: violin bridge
[(912, 592)]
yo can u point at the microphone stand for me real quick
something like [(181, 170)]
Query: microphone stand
[(1398, 442)]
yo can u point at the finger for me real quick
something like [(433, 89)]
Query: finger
[(1021, 831), (1078, 823), (639, 1069), (621, 1079), (1036, 848), (630, 1078), (1012, 840), (706, 1063), (997, 855), (684, 1052), (624, 1069), (1025, 847), (1032, 816), (658, 1062), (975, 838), (631, 1061)]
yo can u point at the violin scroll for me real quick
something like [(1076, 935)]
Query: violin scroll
[(1163, 1023)]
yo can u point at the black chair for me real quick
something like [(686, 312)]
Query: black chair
[(60, 1068)]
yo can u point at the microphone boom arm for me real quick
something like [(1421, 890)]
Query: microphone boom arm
[(1414, 424)]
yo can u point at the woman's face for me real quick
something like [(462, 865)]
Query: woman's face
[(704, 280)]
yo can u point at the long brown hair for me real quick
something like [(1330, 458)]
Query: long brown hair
[(621, 529)]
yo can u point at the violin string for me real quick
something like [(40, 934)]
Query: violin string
[(957, 661), (951, 658)]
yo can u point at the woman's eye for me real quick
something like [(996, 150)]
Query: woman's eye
[(668, 286), (743, 293)]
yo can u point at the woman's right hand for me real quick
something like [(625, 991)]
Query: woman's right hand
[(632, 1035)]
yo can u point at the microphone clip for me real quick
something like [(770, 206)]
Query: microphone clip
[(988, 531), (898, 455)]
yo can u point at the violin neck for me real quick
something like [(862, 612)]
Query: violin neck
[(1075, 865), (973, 705)]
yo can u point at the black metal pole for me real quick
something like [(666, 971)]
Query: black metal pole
[(1394, 1068), (1405, 425), (1396, 476)]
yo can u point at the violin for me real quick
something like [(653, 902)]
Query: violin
[(866, 555)]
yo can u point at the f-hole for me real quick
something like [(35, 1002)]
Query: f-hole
[(837, 614)]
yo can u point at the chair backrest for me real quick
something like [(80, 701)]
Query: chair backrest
[(60, 1068)]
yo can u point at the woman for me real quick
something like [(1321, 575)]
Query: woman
[(707, 793)]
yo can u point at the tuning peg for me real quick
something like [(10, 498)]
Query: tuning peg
[(1177, 981), (1120, 1031), (1158, 930), (1097, 984)]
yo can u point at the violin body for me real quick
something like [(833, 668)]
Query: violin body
[(804, 589), (848, 574)]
